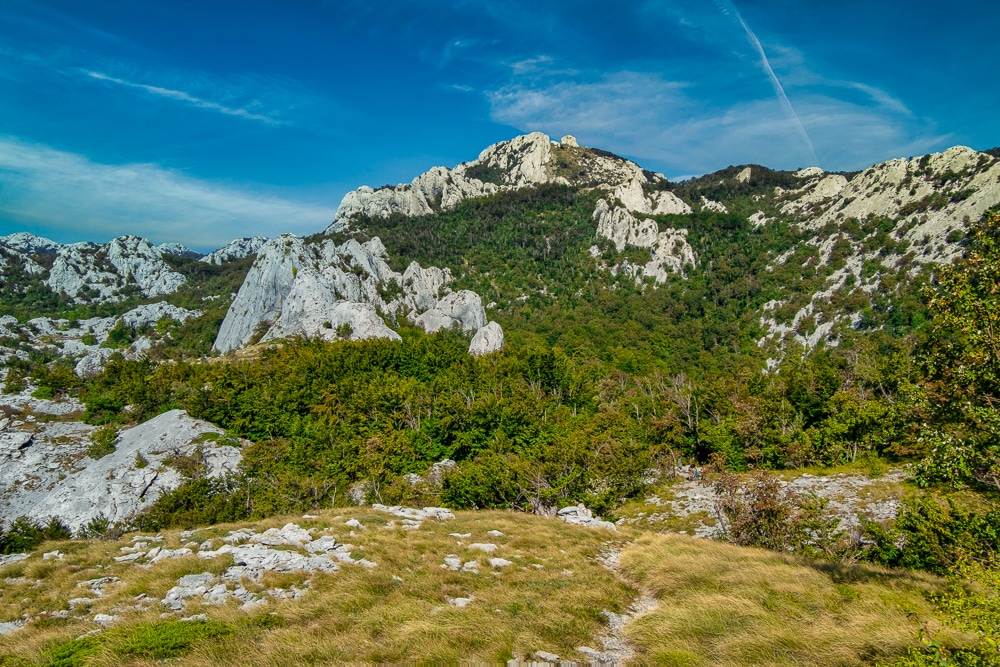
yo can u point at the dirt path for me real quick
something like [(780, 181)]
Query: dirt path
[(616, 649)]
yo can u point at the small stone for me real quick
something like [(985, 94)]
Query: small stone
[(545, 656), (485, 548), (495, 533), (354, 523), (52, 555), (12, 626), (105, 619), (128, 557), (500, 562), (460, 603), (196, 617)]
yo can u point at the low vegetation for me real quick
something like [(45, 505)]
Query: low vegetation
[(716, 604)]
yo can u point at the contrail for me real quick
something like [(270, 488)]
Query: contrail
[(778, 89)]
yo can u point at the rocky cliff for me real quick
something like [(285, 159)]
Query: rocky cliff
[(322, 289)]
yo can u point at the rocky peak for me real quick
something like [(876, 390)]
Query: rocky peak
[(88, 271), (30, 243), (930, 195), (524, 161), (235, 249), (178, 249)]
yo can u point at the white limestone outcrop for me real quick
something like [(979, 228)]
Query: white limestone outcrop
[(27, 242), (82, 268), (334, 291), (82, 339), (670, 251), (178, 249), (710, 205), (488, 339), (935, 193), (527, 160), (235, 249), (51, 476), (463, 309), (662, 202), (12, 257)]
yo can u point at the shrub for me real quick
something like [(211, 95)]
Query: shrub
[(102, 528), (933, 535), (762, 513), (24, 535), (103, 442)]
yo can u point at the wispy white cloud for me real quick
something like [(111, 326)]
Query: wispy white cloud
[(263, 99), (181, 96), (779, 90), (598, 107), (650, 117), (44, 188)]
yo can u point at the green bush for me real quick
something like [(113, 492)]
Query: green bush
[(934, 535), (25, 535), (103, 442)]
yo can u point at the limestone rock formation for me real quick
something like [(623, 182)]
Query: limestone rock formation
[(463, 309), (488, 339), (81, 339), (335, 291), (936, 192), (42, 478), (662, 202), (9, 258), (670, 251), (108, 270), (531, 159), (709, 205), (927, 203), (178, 249), (30, 243), (235, 249)]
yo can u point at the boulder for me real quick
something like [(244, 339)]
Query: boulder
[(488, 339)]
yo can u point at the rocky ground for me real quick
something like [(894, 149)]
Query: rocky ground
[(689, 505)]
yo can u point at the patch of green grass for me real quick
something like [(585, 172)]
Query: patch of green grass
[(167, 639), (73, 653)]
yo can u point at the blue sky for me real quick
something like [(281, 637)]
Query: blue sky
[(200, 121)]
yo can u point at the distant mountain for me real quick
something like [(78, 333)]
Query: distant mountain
[(29, 243), (178, 249), (235, 249), (532, 224)]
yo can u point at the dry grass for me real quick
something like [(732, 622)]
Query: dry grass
[(725, 605), (719, 605), (397, 612)]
